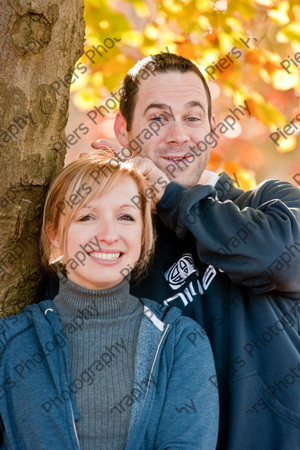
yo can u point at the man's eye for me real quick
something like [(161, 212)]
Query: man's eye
[(159, 118), (85, 218), (127, 217)]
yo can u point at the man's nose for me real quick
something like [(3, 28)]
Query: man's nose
[(176, 133)]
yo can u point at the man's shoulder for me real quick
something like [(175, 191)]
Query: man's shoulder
[(229, 188), (281, 188)]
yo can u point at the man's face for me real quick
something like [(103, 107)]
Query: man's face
[(178, 103)]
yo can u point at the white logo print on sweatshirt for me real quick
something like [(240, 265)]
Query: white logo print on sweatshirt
[(178, 273), (180, 270)]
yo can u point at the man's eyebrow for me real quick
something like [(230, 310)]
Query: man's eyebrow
[(191, 104), (194, 104), (157, 106)]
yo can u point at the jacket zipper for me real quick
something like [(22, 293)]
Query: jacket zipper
[(71, 406), (74, 425), (154, 361), (151, 371), (65, 370)]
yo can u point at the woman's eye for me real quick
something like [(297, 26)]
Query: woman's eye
[(193, 119), (127, 217), (85, 218)]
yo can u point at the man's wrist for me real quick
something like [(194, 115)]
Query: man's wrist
[(171, 195)]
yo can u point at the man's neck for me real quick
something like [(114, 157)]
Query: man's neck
[(208, 177)]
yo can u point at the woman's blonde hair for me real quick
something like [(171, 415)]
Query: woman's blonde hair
[(80, 182)]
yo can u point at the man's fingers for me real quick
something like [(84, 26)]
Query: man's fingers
[(157, 179), (99, 143), (104, 144), (144, 164)]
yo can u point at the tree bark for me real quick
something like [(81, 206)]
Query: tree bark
[(40, 43)]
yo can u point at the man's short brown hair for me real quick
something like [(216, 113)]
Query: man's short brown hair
[(160, 63)]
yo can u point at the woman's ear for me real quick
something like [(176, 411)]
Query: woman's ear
[(52, 236), (120, 129), (56, 251)]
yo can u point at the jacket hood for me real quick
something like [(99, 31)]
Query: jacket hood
[(159, 314), (164, 313)]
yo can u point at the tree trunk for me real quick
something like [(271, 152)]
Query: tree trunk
[(41, 41)]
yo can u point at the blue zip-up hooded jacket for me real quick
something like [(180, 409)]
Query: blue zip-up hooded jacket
[(174, 405), (230, 260)]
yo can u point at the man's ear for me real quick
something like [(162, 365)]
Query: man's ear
[(212, 123), (120, 129)]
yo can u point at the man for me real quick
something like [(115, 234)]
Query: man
[(227, 258)]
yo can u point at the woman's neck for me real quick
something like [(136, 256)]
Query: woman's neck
[(73, 300)]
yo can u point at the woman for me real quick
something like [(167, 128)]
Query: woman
[(98, 368)]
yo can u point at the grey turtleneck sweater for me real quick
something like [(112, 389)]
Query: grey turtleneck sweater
[(102, 328)]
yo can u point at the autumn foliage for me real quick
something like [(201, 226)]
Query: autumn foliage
[(248, 51)]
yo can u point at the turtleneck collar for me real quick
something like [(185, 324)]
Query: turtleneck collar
[(101, 303)]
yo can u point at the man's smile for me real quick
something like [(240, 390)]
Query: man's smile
[(175, 158)]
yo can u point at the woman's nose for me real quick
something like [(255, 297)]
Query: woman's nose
[(107, 232)]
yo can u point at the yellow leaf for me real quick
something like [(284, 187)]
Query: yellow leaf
[(286, 145), (225, 42), (284, 81), (104, 24), (85, 99), (265, 2), (279, 15), (292, 31), (203, 5), (234, 24), (242, 178), (151, 32), (172, 6), (266, 113), (133, 38)]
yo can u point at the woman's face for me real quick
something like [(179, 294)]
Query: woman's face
[(104, 238)]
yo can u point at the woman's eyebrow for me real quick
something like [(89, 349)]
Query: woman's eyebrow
[(125, 205), (87, 207), (119, 206)]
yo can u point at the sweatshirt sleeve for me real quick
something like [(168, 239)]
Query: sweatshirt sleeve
[(190, 415), (254, 238)]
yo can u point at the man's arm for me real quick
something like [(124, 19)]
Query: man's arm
[(254, 238)]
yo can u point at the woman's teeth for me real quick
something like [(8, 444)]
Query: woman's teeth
[(110, 256)]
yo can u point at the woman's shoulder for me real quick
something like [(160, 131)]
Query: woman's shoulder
[(173, 315), (14, 325), (164, 312)]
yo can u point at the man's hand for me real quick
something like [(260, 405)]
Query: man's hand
[(156, 178), (106, 144)]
